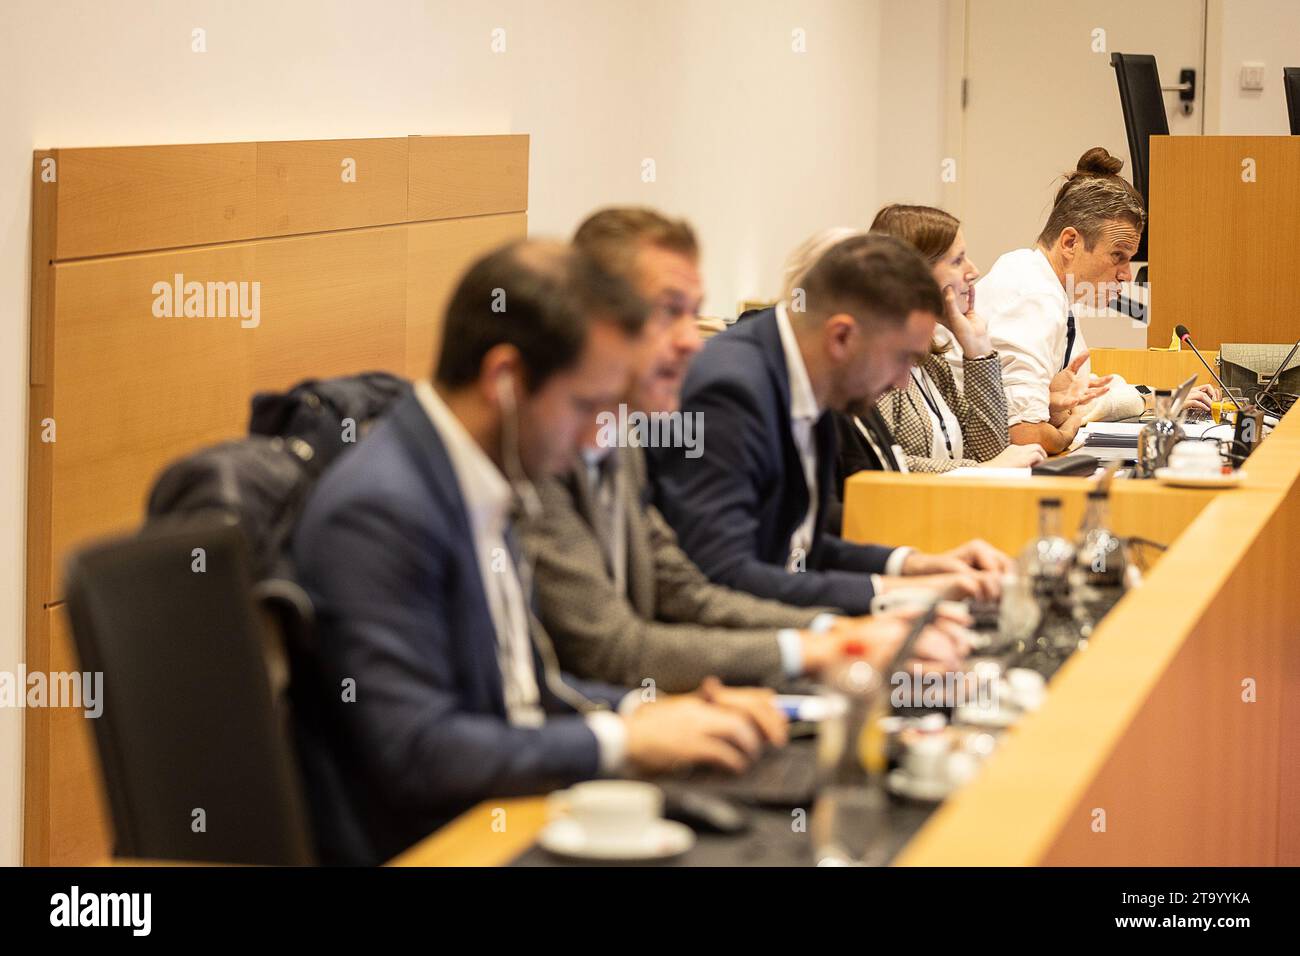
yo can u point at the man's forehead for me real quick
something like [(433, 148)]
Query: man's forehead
[(1120, 233), (668, 270)]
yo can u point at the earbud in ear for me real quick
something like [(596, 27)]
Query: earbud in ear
[(506, 392)]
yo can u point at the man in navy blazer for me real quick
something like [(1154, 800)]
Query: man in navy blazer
[(437, 686), (751, 509)]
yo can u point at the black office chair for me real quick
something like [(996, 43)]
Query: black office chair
[(1143, 104), (1291, 82), (191, 721)]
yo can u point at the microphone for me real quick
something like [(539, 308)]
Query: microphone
[(1186, 338)]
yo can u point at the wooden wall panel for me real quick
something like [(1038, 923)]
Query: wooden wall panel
[(437, 254), (76, 796), (468, 175), (1220, 245), (332, 304), (134, 390), (133, 198), (300, 185), (350, 277)]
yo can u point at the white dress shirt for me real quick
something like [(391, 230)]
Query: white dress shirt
[(804, 412), (1027, 312), (487, 496), (1026, 308)]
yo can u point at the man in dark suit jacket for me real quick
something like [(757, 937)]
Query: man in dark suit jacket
[(619, 597), (436, 683), (751, 509)]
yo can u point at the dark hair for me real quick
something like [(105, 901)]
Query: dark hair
[(612, 236), (1092, 196), (932, 231), (873, 278), (539, 296)]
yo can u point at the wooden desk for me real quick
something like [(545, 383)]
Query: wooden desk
[(1147, 725), (935, 513), (491, 834)]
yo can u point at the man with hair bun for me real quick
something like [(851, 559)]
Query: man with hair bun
[(1028, 298)]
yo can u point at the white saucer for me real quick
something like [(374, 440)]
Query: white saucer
[(1181, 479), (926, 791), (660, 840)]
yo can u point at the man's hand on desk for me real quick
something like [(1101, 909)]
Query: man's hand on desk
[(956, 586), (756, 703), (682, 730), (1199, 397), (975, 555), (944, 643)]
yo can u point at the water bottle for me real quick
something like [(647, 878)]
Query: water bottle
[(1045, 566), (1158, 436), (850, 819), (1099, 574)]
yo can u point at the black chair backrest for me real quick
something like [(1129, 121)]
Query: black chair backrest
[(1144, 116), (195, 756), (1291, 81)]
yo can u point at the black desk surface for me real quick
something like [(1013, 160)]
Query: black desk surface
[(771, 840)]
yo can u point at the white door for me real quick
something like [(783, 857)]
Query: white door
[(1040, 91)]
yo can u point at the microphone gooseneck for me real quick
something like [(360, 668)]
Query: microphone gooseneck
[(1186, 336)]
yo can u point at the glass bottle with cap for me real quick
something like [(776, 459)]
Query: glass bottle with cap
[(1099, 574), (1045, 566), (1158, 437), (850, 817)]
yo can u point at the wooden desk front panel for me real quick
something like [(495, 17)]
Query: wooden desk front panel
[(1157, 369), (935, 513)]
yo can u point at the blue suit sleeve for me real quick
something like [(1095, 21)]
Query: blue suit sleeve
[(714, 503), (384, 592)]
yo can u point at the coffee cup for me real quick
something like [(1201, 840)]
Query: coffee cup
[(1196, 458), (608, 810)]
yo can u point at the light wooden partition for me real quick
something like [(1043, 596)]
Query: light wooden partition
[(349, 250), (1154, 367), (936, 513), (1224, 214)]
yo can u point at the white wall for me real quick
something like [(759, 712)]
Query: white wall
[(759, 145), (912, 77), (1254, 31)]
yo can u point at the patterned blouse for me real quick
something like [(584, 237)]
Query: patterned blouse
[(980, 407)]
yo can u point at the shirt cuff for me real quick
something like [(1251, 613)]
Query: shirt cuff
[(823, 622), (611, 739), (894, 563), (791, 648)]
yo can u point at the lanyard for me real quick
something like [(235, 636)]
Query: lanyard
[(922, 383)]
